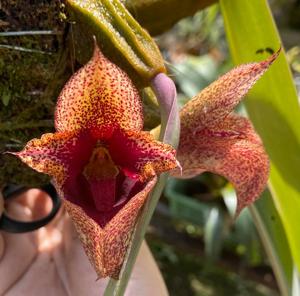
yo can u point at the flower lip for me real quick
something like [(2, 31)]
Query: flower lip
[(101, 173), (102, 199)]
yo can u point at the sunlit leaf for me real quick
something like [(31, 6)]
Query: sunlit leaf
[(272, 106)]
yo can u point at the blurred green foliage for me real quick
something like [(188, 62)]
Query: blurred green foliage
[(188, 274)]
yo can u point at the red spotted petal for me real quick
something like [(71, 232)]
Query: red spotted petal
[(231, 149), (139, 155), (218, 100), (106, 247), (100, 93), (60, 155)]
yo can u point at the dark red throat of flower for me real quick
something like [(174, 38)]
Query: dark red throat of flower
[(101, 174), (102, 188)]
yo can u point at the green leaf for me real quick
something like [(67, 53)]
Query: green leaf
[(272, 106), (272, 234), (244, 234), (214, 231)]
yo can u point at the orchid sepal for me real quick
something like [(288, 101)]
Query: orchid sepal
[(106, 247), (216, 140)]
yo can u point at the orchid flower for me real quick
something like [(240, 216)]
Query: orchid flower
[(215, 139), (103, 165)]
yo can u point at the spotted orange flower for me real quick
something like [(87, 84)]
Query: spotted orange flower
[(102, 163), (216, 140)]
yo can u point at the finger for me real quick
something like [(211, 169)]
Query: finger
[(42, 206), (19, 251), (40, 279), (39, 204), (31, 250), (37, 201)]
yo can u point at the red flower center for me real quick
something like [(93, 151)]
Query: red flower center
[(101, 186), (101, 174)]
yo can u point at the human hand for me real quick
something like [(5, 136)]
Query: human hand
[(51, 260)]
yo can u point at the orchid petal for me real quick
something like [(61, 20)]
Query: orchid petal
[(58, 155), (217, 100), (106, 247), (231, 149), (100, 93), (140, 155)]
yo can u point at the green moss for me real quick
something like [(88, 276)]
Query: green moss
[(27, 93)]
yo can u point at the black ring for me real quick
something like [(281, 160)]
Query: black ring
[(10, 225)]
